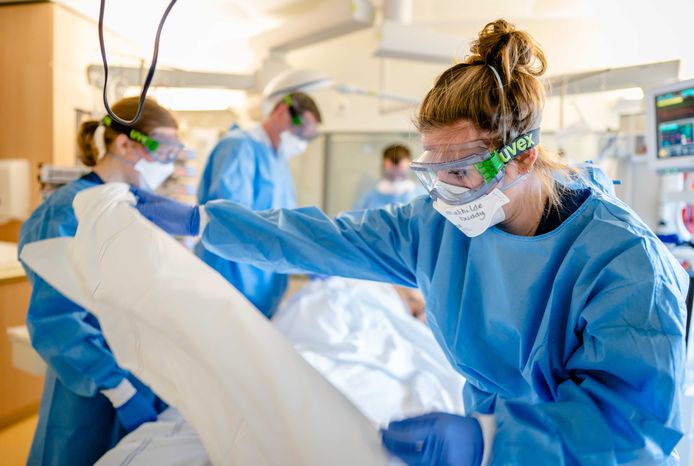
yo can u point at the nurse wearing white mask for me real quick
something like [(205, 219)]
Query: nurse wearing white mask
[(89, 402), (395, 185), (472, 184), (250, 167), (151, 155)]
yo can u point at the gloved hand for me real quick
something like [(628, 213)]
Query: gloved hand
[(171, 216), (136, 411), (439, 439)]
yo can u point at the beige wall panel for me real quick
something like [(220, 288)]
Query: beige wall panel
[(26, 90)]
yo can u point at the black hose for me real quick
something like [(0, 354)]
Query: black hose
[(150, 74)]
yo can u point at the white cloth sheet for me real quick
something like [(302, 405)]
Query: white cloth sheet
[(360, 336), (182, 329), (170, 441)]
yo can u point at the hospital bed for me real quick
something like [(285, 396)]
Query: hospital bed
[(360, 336), (251, 392)]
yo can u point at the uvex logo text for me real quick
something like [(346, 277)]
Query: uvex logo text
[(518, 146)]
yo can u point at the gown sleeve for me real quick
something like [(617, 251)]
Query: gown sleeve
[(378, 244), (66, 336)]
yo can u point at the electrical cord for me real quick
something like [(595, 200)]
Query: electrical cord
[(150, 74)]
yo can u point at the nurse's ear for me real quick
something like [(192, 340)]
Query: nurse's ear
[(126, 149), (526, 162), (120, 145)]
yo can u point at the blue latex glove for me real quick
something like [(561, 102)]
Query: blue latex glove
[(436, 439), (171, 216), (136, 411)]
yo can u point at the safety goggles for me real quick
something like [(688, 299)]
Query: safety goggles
[(306, 130), (463, 173), (162, 147)]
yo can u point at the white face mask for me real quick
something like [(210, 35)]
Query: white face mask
[(291, 145), (476, 217), (396, 187), (153, 174)]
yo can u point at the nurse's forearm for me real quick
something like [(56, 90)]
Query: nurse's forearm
[(300, 241)]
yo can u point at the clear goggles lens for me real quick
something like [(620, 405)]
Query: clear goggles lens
[(458, 174), (306, 130), (168, 149)]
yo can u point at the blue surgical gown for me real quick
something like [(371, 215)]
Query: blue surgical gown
[(77, 424), (573, 340), (249, 172)]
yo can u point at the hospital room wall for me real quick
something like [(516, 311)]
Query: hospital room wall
[(44, 84), (308, 172), (75, 46), (353, 165), (606, 34), (614, 37), (25, 132), (25, 88), (348, 60)]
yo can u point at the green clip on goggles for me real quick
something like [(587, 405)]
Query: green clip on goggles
[(471, 166), (302, 128), (163, 148)]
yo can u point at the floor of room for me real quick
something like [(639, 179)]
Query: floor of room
[(15, 441)]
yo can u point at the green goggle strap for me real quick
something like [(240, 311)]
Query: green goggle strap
[(133, 134), (296, 118), (501, 157)]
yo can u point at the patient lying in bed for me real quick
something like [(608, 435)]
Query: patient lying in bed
[(361, 337), (249, 397)]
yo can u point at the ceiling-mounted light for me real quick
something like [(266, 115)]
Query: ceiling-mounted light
[(185, 99)]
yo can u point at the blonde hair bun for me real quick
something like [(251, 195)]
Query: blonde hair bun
[(508, 50)]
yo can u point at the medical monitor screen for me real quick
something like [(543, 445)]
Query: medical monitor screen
[(674, 119)]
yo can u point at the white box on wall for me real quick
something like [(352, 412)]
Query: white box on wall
[(15, 195)]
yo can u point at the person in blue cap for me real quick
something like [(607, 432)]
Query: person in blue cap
[(251, 169), (89, 403), (561, 308), (395, 185)]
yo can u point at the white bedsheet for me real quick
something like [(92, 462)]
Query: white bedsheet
[(170, 441), (360, 336), (182, 329)]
